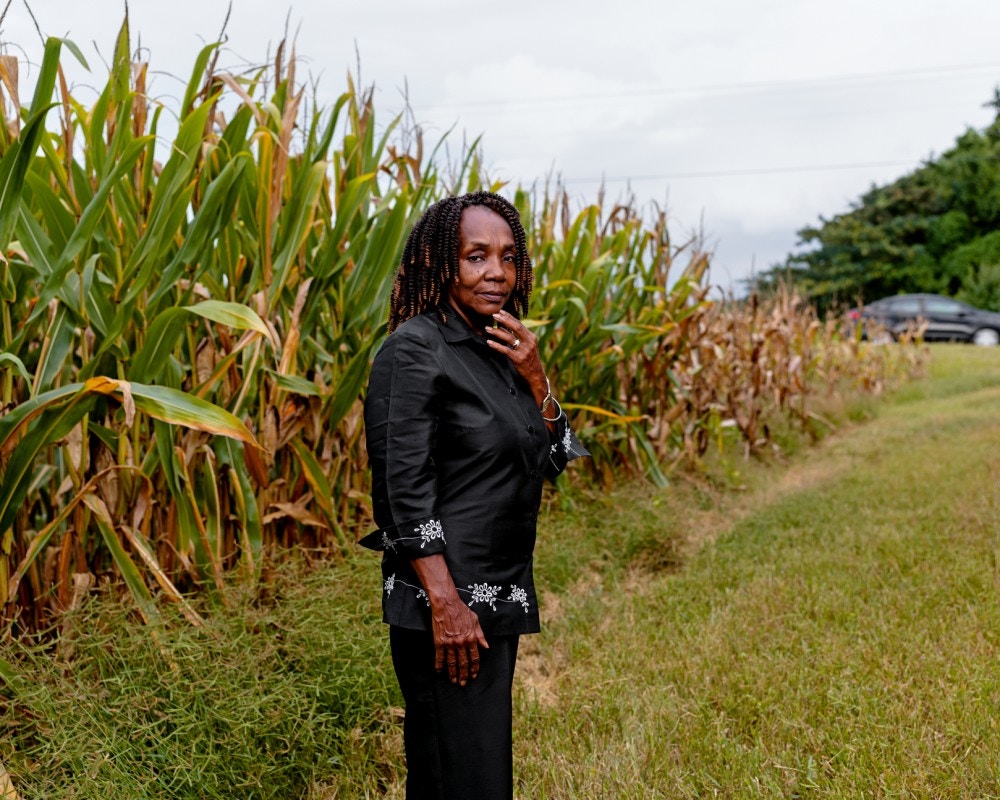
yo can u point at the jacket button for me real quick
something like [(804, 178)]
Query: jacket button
[(512, 390), (533, 473), (531, 429)]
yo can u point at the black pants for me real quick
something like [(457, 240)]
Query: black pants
[(458, 738)]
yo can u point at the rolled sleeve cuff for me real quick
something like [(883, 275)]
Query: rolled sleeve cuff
[(564, 447), (413, 539)]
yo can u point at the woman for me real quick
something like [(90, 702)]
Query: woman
[(461, 429)]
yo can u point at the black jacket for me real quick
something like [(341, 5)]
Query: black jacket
[(458, 450)]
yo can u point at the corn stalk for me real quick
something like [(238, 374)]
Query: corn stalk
[(187, 331)]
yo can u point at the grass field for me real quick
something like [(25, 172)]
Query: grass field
[(824, 625), (838, 638)]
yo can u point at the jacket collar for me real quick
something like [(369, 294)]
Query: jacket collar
[(455, 329)]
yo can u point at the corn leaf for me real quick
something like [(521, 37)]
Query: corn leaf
[(295, 384), (13, 168), (234, 315), (179, 408), (54, 417), (10, 361), (126, 566), (7, 790), (161, 338), (321, 487)]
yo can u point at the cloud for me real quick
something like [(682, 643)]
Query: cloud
[(635, 89)]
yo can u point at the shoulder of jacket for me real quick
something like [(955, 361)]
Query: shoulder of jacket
[(423, 328), (422, 332)]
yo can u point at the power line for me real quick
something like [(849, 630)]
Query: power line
[(731, 173), (706, 122), (928, 73)]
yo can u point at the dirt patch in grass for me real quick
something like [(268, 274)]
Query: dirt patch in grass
[(537, 672)]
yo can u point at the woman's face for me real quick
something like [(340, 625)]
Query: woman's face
[(486, 271)]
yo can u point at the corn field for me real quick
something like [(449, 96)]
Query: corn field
[(186, 341)]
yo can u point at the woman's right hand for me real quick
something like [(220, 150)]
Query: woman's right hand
[(457, 639), (457, 633)]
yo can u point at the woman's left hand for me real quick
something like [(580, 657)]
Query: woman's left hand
[(517, 343)]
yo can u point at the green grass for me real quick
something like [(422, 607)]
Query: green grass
[(269, 695), (830, 630), (840, 640)]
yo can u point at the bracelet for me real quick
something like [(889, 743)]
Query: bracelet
[(548, 398), (557, 416)]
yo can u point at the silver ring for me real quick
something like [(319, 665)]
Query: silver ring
[(517, 343)]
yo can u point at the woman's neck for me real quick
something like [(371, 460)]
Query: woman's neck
[(477, 322)]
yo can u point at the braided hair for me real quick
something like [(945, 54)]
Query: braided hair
[(430, 258)]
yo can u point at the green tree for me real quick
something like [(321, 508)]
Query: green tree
[(934, 229)]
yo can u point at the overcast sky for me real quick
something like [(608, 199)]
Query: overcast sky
[(749, 119)]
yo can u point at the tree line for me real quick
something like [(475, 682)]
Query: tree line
[(935, 229)]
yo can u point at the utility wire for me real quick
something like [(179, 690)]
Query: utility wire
[(730, 173), (948, 161), (928, 73), (727, 123)]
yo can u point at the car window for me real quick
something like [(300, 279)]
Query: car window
[(943, 306), (905, 307)]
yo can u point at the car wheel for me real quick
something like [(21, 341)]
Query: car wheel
[(986, 337)]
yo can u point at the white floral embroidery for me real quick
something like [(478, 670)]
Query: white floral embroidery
[(429, 531), (392, 582), (567, 441), (480, 592), (554, 448), (387, 542), (484, 593), (519, 595)]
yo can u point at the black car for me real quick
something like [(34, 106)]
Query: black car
[(946, 319)]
